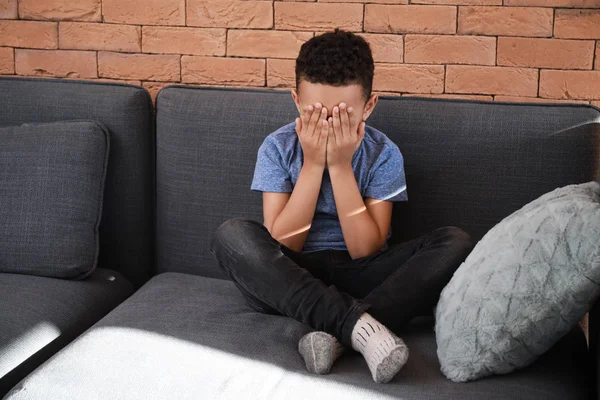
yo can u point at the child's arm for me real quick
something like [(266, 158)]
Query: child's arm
[(288, 217), (364, 226)]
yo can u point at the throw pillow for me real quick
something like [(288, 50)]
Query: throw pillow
[(51, 190), (528, 281)]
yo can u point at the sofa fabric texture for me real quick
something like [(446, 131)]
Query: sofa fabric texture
[(525, 285), (191, 337), (41, 315), (126, 229), (467, 164), (52, 180)]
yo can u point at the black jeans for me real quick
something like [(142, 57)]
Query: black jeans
[(327, 289)]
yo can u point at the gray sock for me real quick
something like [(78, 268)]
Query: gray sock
[(384, 352), (392, 363), (319, 350)]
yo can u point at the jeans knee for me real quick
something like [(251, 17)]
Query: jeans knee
[(233, 231), (457, 237)]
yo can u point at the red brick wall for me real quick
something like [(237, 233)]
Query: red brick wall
[(515, 50)]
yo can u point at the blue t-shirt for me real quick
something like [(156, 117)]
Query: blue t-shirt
[(378, 167)]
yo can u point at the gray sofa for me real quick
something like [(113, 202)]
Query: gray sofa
[(180, 330), (38, 315)]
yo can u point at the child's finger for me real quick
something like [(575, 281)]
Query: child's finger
[(314, 118), (298, 126), (344, 119), (305, 117), (332, 133), (323, 117), (324, 131), (337, 125), (352, 120)]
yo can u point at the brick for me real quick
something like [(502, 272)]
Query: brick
[(453, 96), (32, 34), (515, 99), (147, 67), (577, 24), (124, 81), (597, 62), (384, 93), (409, 78), (224, 71), (491, 80), (99, 80), (8, 9), (146, 12), (386, 48), (461, 2), (389, 94), (318, 16), (545, 53), (90, 36), (74, 10), (56, 63), (154, 87), (281, 73), (230, 14), (7, 60), (172, 40), (271, 44), (363, 1), (410, 19), (443, 49), (583, 85), (555, 3), (505, 21), (596, 103)]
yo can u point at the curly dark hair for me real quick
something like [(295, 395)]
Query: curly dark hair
[(336, 58)]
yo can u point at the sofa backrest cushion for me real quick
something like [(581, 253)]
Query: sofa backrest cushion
[(468, 164), (126, 229), (52, 184)]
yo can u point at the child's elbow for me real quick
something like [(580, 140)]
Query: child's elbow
[(368, 249)]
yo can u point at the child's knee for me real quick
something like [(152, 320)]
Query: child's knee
[(233, 231), (458, 238)]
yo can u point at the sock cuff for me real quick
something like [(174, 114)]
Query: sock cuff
[(356, 311)]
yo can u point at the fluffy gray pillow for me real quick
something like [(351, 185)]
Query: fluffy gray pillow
[(528, 281), (51, 190)]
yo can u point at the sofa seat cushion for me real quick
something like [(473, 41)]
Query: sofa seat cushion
[(39, 315), (190, 337)]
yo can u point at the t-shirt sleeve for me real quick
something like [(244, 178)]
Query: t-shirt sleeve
[(270, 173), (387, 181)]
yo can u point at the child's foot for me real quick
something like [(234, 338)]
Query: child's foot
[(319, 350), (384, 352)]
